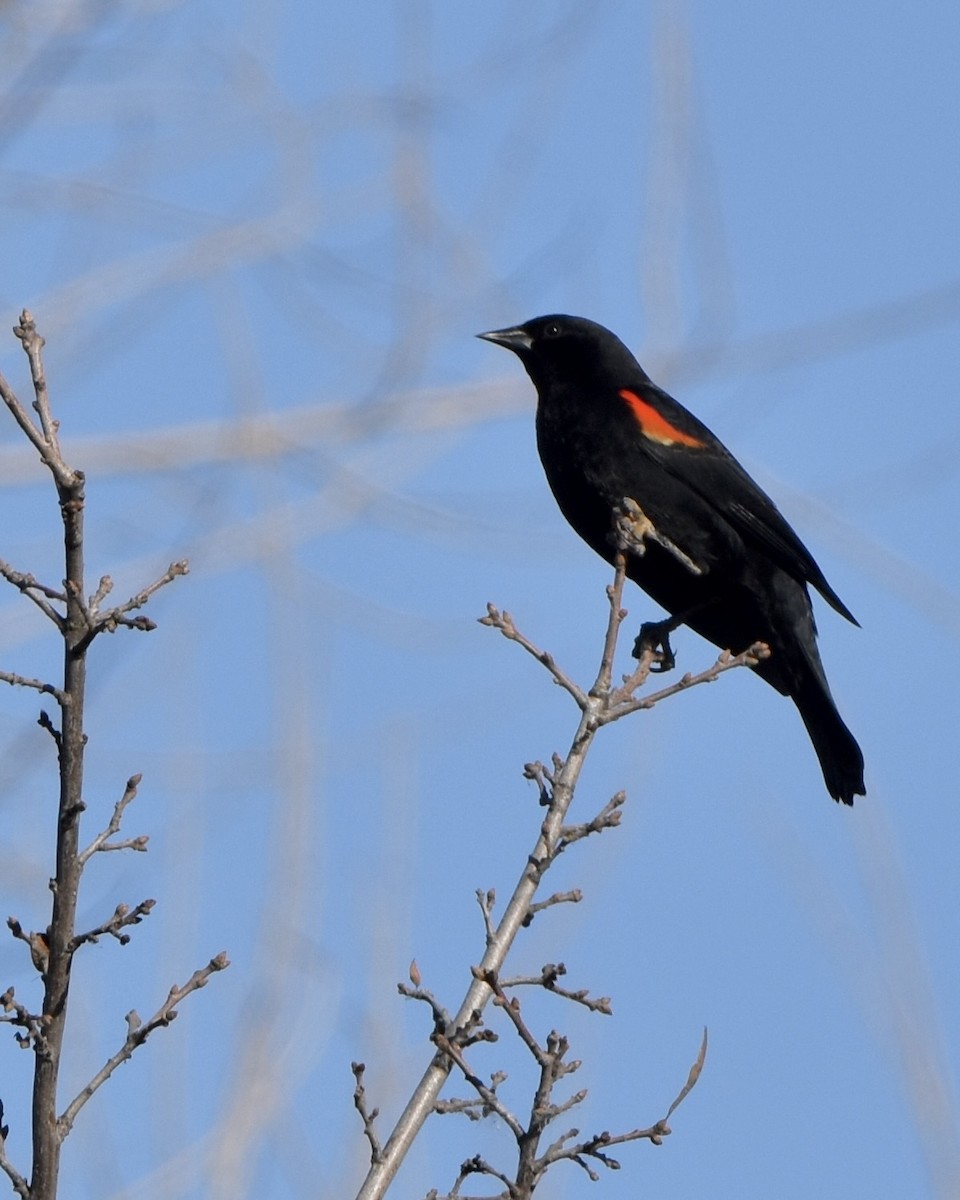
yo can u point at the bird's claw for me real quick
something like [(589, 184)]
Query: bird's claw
[(655, 637)]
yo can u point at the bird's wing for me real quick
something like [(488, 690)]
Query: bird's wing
[(683, 446)]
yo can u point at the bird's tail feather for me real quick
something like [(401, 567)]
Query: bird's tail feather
[(841, 759)]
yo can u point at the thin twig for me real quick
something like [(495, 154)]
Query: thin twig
[(487, 1094), (574, 896), (19, 1184), (38, 592), (100, 842), (504, 623), (487, 899), (45, 723), (115, 617), (607, 818), (549, 974), (368, 1116), (122, 916), (726, 662), (137, 1034), (617, 616), (594, 1147), (22, 1017), (44, 439), (21, 681)]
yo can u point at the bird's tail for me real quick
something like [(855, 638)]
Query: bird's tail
[(841, 759)]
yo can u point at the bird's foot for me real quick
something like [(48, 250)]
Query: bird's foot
[(654, 636)]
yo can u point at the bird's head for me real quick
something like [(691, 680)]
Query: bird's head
[(569, 349)]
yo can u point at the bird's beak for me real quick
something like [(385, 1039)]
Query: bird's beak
[(516, 339)]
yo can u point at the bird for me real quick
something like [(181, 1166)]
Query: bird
[(711, 547)]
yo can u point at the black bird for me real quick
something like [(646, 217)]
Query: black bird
[(716, 553)]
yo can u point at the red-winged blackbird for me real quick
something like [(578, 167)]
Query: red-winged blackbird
[(716, 552)]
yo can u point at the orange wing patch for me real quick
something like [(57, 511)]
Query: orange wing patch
[(656, 427)]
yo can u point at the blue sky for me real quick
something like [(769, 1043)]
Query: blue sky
[(259, 241)]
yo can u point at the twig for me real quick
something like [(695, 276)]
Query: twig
[(607, 818), (504, 623), (122, 916), (512, 1008), (621, 705), (441, 1018), (39, 593), (100, 842), (594, 1147), (19, 1184), (45, 723), (479, 1166), (44, 439), (18, 1015), (487, 1094), (618, 614), (137, 1034), (21, 681), (115, 617), (549, 974), (487, 899), (574, 896), (367, 1116)]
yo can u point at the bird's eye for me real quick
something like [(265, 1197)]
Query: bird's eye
[(552, 330)]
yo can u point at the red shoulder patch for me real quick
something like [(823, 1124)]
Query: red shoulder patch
[(655, 426)]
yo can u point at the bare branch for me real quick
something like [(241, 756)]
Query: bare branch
[(574, 896), (21, 681), (122, 916), (367, 1116), (726, 662), (45, 439), (45, 723), (19, 1184), (17, 1014), (487, 899), (607, 818), (504, 623), (38, 592), (487, 1094), (602, 705), (542, 778), (595, 1147), (601, 686), (441, 1018), (137, 1034), (100, 842), (115, 617), (33, 344), (549, 974)]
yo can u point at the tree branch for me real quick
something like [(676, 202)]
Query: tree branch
[(100, 842), (137, 1034), (600, 706)]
